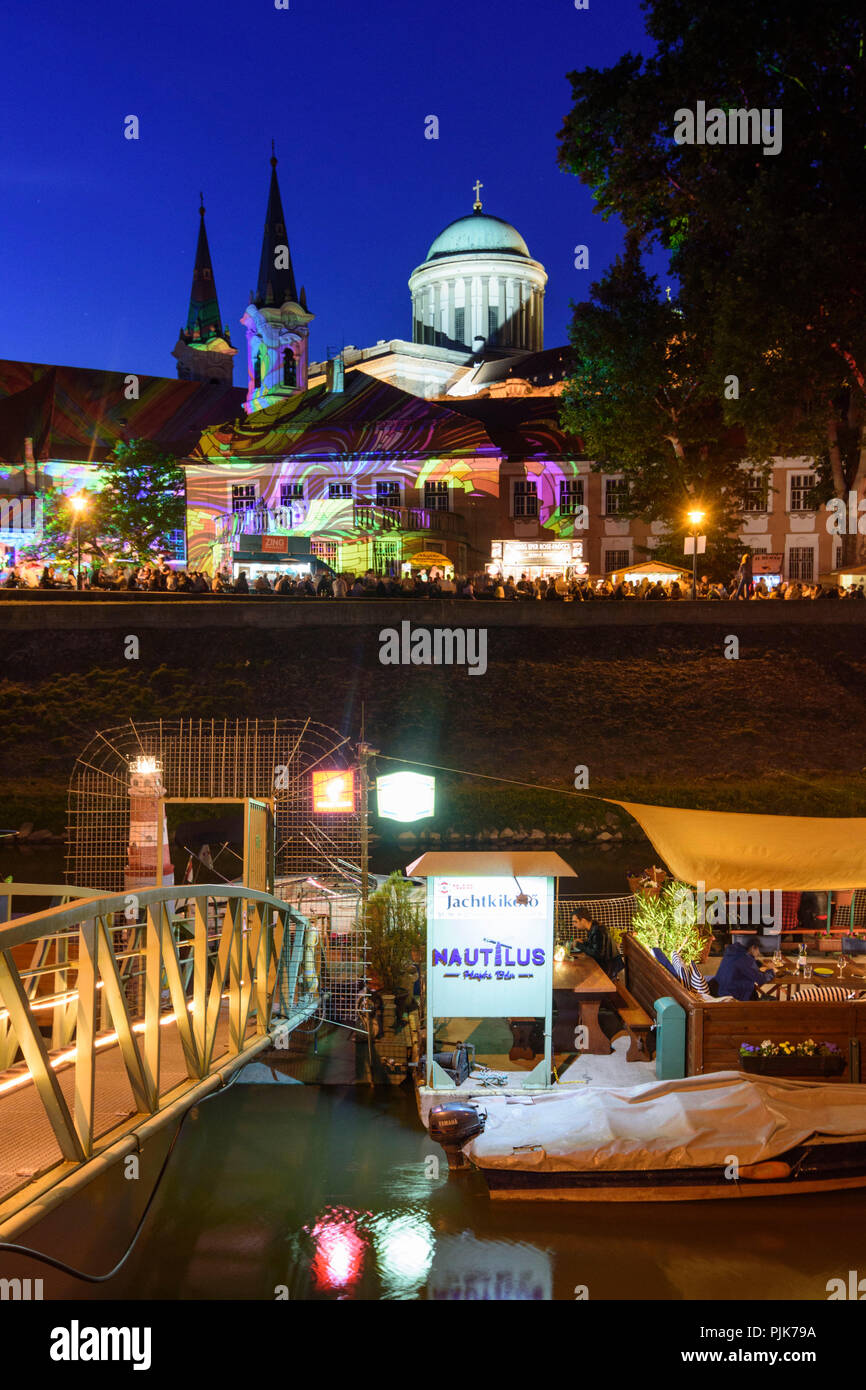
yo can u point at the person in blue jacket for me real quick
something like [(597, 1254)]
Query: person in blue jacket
[(739, 973)]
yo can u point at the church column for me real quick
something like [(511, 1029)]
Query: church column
[(485, 306)]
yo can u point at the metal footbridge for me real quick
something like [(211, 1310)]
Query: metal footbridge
[(120, 1011)]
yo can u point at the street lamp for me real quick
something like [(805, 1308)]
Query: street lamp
[(695, 519), (78, 502)]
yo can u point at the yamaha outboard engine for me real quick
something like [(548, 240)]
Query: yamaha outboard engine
[(451, 1125)]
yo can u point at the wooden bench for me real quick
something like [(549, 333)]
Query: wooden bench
[(639, 1025)]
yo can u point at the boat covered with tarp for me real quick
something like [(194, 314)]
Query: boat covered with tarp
[(701, 1137)]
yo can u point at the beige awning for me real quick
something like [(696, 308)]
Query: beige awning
[(491, 864), (726, 850)]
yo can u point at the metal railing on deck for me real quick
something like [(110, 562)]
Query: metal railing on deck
[(227, 965)]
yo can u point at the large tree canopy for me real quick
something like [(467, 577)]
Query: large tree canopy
[(768, 250)]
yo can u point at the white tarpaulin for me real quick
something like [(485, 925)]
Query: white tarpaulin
[(693, 1123)]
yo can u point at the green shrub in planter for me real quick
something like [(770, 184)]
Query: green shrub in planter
[(670, 922), (396, 930)]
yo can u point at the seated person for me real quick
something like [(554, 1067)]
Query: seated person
[(739, 973)]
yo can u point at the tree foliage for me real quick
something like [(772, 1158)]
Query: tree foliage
[(768, 251)]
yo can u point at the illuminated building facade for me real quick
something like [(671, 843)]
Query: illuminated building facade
[(449, 443)]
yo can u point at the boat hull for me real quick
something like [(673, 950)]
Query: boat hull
[(830, 1167)]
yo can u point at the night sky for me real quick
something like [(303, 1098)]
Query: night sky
[(97, 233)]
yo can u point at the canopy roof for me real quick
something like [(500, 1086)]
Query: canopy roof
[(491, 864), (726, 850)]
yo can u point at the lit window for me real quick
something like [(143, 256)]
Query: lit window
[(615, 496), (801, 488), (616, 560), (570, 496), (339, 490), (436, 496), (243, 496), (388, 493), (755, 493), (801, 562), (291, 492), (525, 498)]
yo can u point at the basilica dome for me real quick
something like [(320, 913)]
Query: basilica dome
[(479, 291), (478, 232)]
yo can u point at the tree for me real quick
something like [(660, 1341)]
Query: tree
[(644, 401), (143, 500), (395, 927), (768, 250)]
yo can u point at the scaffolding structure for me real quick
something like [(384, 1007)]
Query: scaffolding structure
[(208, 761)]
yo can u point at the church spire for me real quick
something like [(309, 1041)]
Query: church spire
[(203, 350), (276, 284), (203, 319)]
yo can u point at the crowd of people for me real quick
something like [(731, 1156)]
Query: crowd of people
[(162, 578)]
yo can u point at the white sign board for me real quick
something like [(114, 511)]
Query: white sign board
[(490, 955)]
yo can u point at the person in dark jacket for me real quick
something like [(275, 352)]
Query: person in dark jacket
[(745, 578), (739, 973)]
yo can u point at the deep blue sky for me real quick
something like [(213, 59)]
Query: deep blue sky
[(97, 233)]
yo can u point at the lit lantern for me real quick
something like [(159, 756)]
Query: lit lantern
[(406, 796), (334, 791)]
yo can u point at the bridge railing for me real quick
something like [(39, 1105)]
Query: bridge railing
[(223, 964)]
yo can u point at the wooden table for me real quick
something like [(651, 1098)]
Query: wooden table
[(580, 987), (787, 977)]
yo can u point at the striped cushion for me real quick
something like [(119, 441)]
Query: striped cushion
[(680, 969), (825, 994), (698, 983)]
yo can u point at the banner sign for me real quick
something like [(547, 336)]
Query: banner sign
[(275, 545), (490, 947)]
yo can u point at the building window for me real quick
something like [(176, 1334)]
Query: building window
[(291, 492), (801, 562), (755, 493), (325, 550), (339, 490), (615, 496), (290, 368), (386, 557), (801, 486), (175, 545), (257, 369), (525, 498), (459, 325), (388, 492), (243, 496), (616, 560), (492, 322), (436, 496), (837, 563), (570, 496)]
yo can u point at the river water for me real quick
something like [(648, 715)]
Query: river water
[(335, 1192)]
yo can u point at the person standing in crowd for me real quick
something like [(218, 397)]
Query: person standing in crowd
[(241, 585), (745, 581)]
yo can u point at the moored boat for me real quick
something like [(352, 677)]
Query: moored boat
[(700, 1138)]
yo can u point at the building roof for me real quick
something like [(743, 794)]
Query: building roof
[(478, 233), (276, 285), (491, 864), (368, 418), (77, 414), (522, 426)]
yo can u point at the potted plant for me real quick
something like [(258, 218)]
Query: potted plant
[(806, 1058), (394, 923), (670, 922)]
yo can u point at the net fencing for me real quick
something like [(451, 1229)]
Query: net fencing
[(614, 914)]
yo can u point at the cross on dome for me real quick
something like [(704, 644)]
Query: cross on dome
[(476, 206)]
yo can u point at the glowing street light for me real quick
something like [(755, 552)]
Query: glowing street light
[(695, 518), (78, 503)]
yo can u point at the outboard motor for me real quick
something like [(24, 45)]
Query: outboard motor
[(451, 1125)]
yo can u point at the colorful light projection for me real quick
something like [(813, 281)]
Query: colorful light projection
[(334, 791)]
